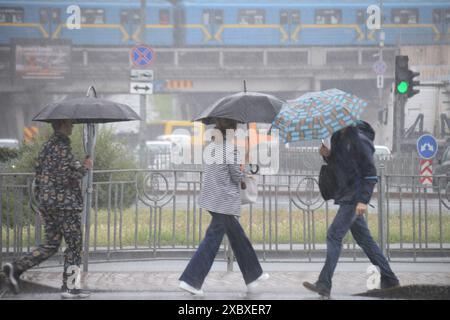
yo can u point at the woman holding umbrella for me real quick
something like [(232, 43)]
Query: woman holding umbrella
[(220, 195), (58, 176)]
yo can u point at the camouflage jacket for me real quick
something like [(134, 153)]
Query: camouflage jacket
[(58, 176)]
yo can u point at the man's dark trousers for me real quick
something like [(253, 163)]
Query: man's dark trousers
[(346, 219)]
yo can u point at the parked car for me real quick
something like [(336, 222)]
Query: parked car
[(9, 143), (179, 139), (158, 154), (442, 169), (382, 153)]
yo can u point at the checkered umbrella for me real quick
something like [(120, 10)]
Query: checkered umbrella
[(317, 115)]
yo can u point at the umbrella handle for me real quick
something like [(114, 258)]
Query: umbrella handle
[(89, 90)]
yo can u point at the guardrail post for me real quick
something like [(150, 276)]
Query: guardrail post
[(382, 234)]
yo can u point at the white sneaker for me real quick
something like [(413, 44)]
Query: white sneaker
[(74, 293), (252, 285), (186, 287)]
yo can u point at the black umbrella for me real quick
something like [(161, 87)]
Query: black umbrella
[(89, 111), (243, 107)]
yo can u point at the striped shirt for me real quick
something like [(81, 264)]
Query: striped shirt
[(221, 183)]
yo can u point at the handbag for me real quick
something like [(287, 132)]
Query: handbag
[(249, 189), (327, 182)]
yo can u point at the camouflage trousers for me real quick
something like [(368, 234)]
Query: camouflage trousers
[(57, 225)]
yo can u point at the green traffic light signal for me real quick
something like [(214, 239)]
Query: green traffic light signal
[(402, 87)]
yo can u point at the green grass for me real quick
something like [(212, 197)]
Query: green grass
[(263, 227)]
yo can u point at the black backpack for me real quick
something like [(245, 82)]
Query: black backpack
[(327, 182), (327, 179)]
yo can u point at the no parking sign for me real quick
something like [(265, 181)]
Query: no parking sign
[(142, 56)]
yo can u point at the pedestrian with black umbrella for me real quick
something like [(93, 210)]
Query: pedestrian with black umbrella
[(220, 195), (58, 187), (58, 180), (221, 185)]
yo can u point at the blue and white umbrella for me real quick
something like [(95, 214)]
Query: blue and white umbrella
[(317, 115)]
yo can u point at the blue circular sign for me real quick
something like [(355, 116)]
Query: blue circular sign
[(427, 146), (141, 55)]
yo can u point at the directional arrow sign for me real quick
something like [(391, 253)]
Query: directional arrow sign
[(427, 146), (141, 87)]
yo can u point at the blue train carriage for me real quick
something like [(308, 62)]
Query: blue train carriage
[(234, 23), (104, 22), (296, 23), (335, 23), (416, 22), (20, 19), (117, 22), (409, 22), (275, 23)]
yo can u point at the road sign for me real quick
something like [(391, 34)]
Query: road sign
[(141, 75), (427, 146), (141, 56), (426, 172), (379, 67), (141, 87), (380, 81)]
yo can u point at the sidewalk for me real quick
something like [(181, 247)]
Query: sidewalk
[(158, 280)]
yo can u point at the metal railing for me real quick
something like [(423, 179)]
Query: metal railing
[(154, 214)]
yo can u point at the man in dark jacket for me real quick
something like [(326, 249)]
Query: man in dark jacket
[(58, 192), (351, 156)]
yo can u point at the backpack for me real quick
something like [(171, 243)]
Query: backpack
[(327, 178), (327, 182)]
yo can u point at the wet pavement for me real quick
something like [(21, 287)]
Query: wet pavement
[(158, 280)]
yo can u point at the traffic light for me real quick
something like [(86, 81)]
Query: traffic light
[(404, 78), (413, 83)]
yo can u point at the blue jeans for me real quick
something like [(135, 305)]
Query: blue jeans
[(347, 219), (200, 264)]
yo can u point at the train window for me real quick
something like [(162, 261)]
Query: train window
[(289, 17), (405, 16), (130, 16), (361, 16), (14, 15), (92, 16), (328, 16), (211, 16), (251, 16), (164, 16), (441, 15), (44, 15)]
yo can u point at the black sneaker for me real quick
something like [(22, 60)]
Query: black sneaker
[(67, 293), (316, 287), (389, 284), (11, 277)]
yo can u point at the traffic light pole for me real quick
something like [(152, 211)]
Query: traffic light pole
[(380, 52), (399, 122)]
